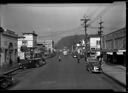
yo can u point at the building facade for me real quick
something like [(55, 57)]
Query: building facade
[(29, 40), (8, 47), (40, 47), (49, 44), (114, 46), (94, 43)]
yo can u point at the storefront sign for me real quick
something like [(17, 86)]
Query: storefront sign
[(110, 53)]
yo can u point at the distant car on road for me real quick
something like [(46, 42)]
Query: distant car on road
[(65, 52), (5, 81)]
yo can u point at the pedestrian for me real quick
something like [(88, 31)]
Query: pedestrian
[(59, 58), (44, 60), (18, 59), (100, 60), (78, 57), (19, 62)]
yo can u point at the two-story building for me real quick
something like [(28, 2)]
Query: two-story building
[(94, 44), (49, 44), (29, 40), (114, 46), (8, 47)]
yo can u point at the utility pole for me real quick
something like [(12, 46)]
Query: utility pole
[(100, 32), (85, 20)]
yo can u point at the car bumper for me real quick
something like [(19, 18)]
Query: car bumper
[(96, 70)]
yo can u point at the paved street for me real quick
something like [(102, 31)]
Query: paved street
[(67, 74)]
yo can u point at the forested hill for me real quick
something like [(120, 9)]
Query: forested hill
[(68, 41)]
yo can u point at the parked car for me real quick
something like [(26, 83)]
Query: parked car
[(93, 65), (5, 81), (36, 61)]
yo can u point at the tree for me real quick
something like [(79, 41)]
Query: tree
[(23, 48)]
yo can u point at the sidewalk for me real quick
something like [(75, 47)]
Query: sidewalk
[(8, 68), (116, 72)]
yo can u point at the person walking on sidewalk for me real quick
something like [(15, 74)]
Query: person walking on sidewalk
[(19, 62)]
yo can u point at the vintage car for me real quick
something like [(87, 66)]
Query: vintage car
[(35, 61), (5, 81), (93, 65)]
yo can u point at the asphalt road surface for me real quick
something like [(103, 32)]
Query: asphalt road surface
[(67, 74)]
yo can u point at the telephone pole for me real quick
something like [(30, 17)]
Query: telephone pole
[(100, 33), (85, 20)]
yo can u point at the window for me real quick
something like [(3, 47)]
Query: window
[(24, 42)]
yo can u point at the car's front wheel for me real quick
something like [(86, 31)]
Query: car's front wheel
[(4, 85)]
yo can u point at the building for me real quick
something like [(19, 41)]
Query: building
[(94, 43), (114, 46), (29, 40), (40, 47), (49, 44), (8, 47), (20, 43)]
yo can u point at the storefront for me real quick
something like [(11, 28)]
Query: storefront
[(114, 47)]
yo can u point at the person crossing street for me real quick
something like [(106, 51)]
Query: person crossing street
[(59, 58)]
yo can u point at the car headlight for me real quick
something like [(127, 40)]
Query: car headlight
[(95, 67)]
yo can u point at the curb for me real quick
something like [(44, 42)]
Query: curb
[(117, 81), (8, 72)]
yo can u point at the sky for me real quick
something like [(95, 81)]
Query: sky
[(54, 21)]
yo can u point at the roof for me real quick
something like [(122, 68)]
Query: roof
[(124, 28), (33, 33), (10, 33), (21, 37), (1, 29)]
